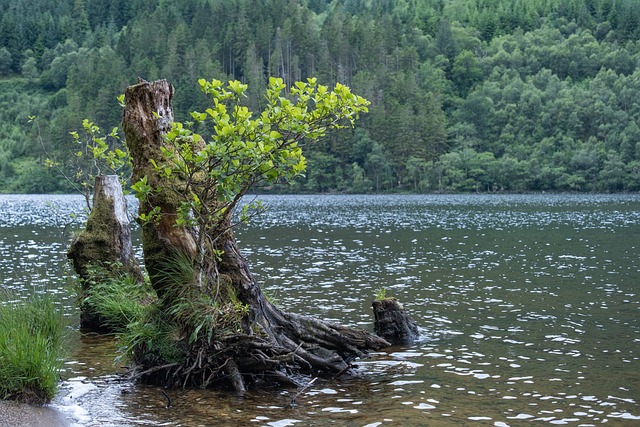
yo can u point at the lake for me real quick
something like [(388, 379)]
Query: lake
[(528, 307)]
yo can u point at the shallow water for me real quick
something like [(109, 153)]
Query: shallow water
[(528, 305)]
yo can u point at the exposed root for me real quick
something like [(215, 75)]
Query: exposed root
[(293, 402), (291, 345), (166, 396), (235, 377)]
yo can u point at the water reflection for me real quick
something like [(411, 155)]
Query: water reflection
[(529, 306)]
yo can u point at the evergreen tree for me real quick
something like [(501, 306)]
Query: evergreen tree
[(539, 84)]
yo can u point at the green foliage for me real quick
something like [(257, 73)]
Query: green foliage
[(20, 169), (151, 341), (152, 335), (132, 310), (381, 294), (246, 150), (94, 154), (119, 301), (517, 79), (32, 340)]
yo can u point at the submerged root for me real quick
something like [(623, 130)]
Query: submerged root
[(235, 377), (283, 347)]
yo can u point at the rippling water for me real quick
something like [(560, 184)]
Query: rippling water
[(528, 306)]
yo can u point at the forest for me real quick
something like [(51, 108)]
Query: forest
[(466, 95)]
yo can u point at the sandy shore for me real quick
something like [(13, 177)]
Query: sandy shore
[(14, 414)]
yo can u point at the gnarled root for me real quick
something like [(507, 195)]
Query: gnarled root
[(285, 347)]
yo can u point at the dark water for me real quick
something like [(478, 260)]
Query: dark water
[(528, 305)]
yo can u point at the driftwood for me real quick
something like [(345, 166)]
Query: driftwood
[(392, 323), (269, 344), (104, 244)]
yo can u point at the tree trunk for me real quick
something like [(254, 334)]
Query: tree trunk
[(103, 249), (251, 339)]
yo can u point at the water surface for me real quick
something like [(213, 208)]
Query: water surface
[(528, 306)]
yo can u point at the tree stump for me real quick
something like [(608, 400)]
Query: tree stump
[(392, 323), (105, 243), (266, 343)]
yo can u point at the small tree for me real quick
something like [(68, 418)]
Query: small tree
[(102, 251), (213, 320), (93, 154), (207, 177)]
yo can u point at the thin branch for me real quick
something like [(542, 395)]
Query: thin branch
[(293, 402)]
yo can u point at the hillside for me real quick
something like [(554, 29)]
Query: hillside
[(467, 95)]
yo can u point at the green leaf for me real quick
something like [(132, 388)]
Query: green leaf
[(199, 117), (275, 134)]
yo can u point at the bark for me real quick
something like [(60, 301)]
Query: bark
[(392, 322), (146, 119), (104, 246), (268, 343)]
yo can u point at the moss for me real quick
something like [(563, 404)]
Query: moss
[(97, 237), (98, 244), (226, 290)]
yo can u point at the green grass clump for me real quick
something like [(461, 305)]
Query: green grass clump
[(119, 301), (169, 334), (32, 335), (131, 310), (381, 294)]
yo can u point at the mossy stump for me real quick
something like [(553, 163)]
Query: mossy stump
[(104, 245)]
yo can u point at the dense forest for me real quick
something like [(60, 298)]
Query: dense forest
[(466, 95)]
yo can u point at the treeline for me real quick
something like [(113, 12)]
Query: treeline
[(467, 95)]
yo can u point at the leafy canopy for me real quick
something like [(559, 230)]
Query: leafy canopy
[(245, 149)]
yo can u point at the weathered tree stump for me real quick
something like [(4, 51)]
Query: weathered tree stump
[(104, 244), (392, 323), (269, 344)]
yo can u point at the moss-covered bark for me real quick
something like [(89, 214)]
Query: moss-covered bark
[(146, 120), (104, 246)]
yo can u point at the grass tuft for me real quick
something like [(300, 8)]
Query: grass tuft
[(174, 328), (32, 339), (118, 301), (381, 294)]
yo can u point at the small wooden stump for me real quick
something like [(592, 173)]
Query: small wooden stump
[(392, 323), (105, 242)]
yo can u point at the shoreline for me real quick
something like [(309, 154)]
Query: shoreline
[(14, 414)]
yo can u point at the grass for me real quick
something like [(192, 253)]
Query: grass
[(120, 300), (132, 311), (381, 294), (175, 329), (32, 340)]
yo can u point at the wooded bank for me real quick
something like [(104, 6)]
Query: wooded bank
[(467, 95)]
